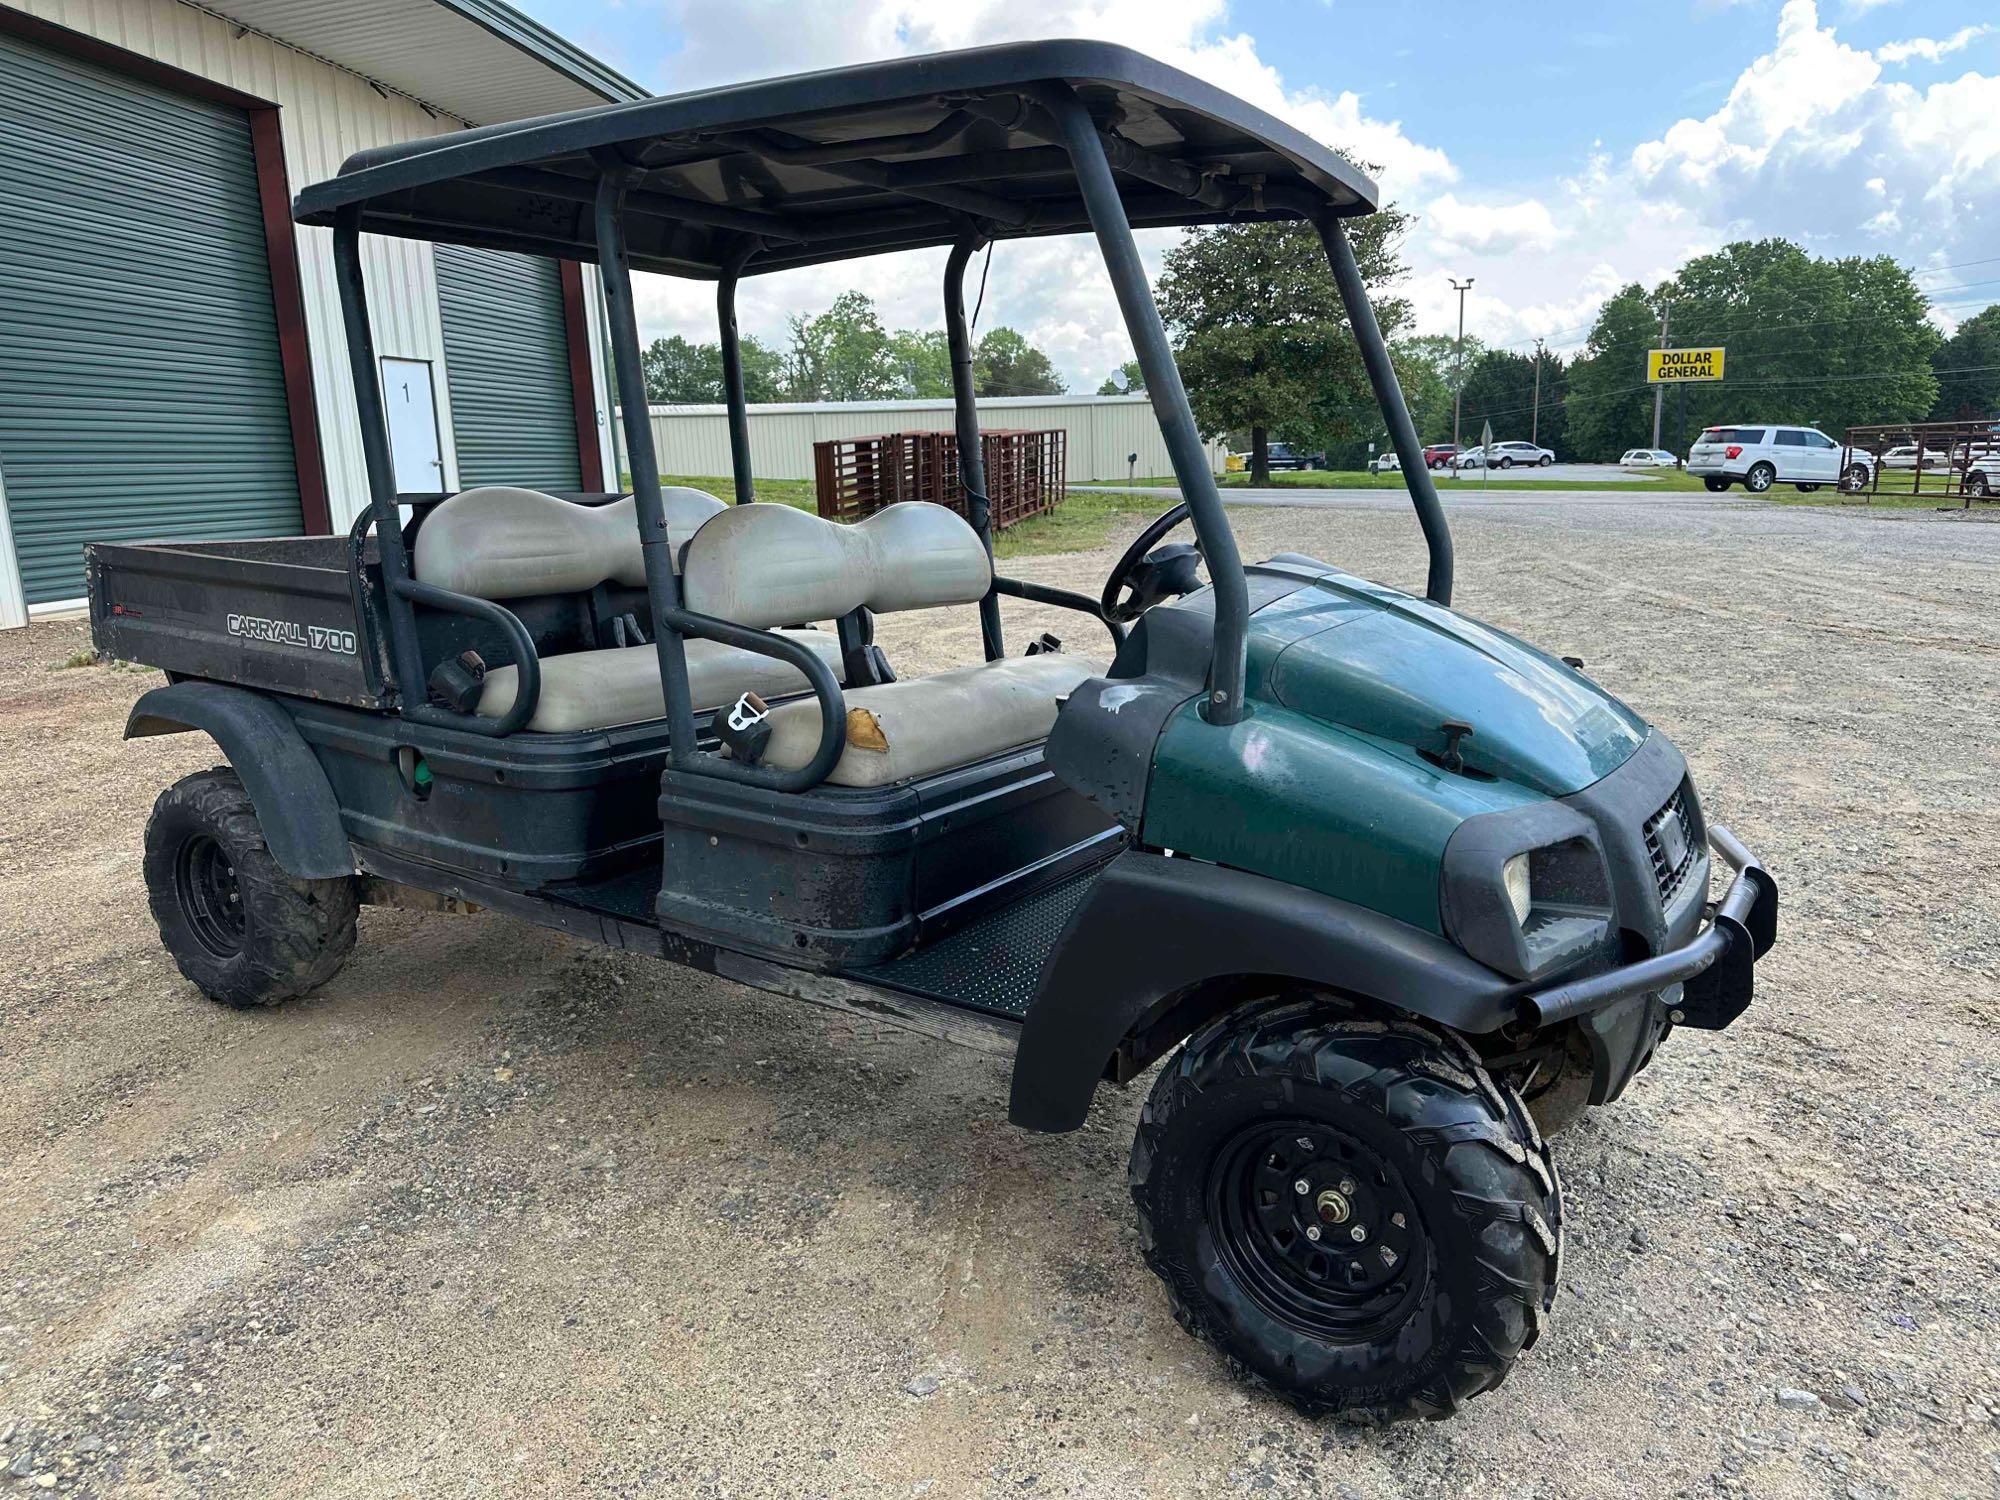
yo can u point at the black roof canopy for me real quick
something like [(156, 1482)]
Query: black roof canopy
[(852, 161)]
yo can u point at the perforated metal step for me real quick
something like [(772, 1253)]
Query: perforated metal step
[(994, 963)]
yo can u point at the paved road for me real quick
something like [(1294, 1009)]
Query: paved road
[(1454, 499)]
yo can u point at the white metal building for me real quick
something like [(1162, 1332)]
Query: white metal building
[(1103, 432), (171, 354)]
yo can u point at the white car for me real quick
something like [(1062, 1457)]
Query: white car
[(1386, 463), (1647, 458), (1905, 457), (1769, 453), (1505, 456)]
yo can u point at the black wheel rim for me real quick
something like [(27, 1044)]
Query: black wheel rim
[(1273, 1184), (205, 882)]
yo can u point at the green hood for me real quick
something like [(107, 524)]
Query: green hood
[(1394, 668)]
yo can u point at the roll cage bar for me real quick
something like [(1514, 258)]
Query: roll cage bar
[(1000, 142)]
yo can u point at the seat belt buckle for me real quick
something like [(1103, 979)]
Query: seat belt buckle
[(745, 728)]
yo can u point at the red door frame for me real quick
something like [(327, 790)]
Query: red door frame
[(582, 379), (274, 195)]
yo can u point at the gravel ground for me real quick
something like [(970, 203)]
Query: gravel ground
[(499, 1213)]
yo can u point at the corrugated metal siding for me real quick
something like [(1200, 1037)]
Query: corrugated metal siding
[(507, 356), (141, 391), (326, 115), (1102, 431)]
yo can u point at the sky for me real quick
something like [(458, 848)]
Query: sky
[(1552, 151)]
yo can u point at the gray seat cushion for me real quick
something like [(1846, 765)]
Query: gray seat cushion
[(500, 542), (929, 724), (621, 684)]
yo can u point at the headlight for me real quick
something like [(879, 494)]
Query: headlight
[(1527, 891), (1520, 893)]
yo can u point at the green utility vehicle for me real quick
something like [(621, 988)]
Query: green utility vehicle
[(1392, 893)]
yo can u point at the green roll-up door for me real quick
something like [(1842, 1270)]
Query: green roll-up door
[(506, 361), (141, 391)]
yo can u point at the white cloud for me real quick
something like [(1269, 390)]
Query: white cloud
[(1054, 291), (1490, 228), (1929, 49), (1815, 140)]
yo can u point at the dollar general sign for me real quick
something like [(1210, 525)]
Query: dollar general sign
[(1668, 365)]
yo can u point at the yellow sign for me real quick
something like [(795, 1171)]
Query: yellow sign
[(1668, 365)]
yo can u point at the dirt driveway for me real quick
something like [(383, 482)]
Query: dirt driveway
[(497, 1213)]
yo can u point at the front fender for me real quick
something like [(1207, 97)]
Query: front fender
[(294, 801), (1154, 928)]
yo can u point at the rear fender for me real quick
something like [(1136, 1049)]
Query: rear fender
[(1162, 944), (294, 801)]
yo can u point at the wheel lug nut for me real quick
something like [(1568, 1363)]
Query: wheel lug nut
[(1302, 1186), (1347, 1186), (1388, 1255), (1358, 1233), (1398, 1220), (1312, 1233)]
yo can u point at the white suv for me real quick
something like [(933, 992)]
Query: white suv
[(1761, 456)]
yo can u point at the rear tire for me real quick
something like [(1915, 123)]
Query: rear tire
[(1714, 484), (1976, 485), (1436, 1201), (1759, 478), (243, 931), (1807, 489), (1505, 462)]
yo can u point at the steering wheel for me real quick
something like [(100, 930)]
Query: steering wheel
[(1151, 576)]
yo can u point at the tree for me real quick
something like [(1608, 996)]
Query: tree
[(1610, 406), (1129, 380), (1500, 388), (682, 373), (842, 354), (1005, 364), (922, 363), (1825, 342), (1967, 366), (679, 372), (1262, 338)]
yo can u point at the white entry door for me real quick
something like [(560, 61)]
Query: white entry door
[(411, 401)]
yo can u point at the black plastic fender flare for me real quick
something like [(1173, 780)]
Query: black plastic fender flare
[(1153, 929), (294, 800)]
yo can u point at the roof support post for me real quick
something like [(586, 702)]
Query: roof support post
[(373, 421), (1225, 703), (971, 450), (732, 376), (656, 547), (1389, 395)]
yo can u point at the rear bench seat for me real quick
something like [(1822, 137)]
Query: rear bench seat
[(764, 564), (500, 543)]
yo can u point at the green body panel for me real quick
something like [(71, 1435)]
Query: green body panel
[(1327, 786)]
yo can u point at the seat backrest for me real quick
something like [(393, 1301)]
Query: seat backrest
[(499, 542), (765, 565)]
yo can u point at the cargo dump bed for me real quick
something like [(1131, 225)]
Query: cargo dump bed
[(283, 614)]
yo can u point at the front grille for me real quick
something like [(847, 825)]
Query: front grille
[(1672, 846)]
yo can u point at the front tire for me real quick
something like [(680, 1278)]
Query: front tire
[(238, 927), (1435, 1200), (1759, 478), (1545, 460)]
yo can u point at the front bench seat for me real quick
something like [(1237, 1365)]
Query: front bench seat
[(502, 542), (923, 725), (763, 565)]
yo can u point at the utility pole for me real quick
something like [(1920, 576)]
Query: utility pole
[(1458, 395), (1660, 391), (1535, 426)]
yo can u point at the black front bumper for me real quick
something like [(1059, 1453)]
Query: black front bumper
[(1715, 968)]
